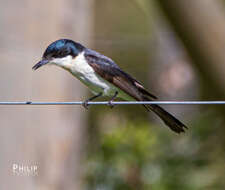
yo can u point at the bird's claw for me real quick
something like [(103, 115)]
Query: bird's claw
[(85, 104), (110, 104)]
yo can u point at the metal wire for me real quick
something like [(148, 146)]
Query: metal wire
[(118, 103)]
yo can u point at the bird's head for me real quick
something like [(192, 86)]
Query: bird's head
[(60, 53)]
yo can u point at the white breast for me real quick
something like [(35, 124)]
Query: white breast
[(86, 74)]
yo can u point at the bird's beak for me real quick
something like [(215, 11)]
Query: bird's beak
[(40, 63)]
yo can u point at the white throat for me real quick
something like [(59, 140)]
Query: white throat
[(78, 65), (64, 62)]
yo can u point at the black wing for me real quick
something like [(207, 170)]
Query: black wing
[(110, 71)]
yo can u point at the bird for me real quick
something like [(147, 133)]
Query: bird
[(103, 77)]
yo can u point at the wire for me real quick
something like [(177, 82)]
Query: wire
[(119, 103)]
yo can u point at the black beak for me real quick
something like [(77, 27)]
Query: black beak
[(40, 63)]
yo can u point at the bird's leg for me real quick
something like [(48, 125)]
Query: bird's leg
[(113, 98), (85, 103)]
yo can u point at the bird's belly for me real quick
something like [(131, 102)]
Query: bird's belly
[(94, 84), (97, 84), (92, 80)]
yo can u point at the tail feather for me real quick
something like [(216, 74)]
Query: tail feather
[(173, 123)]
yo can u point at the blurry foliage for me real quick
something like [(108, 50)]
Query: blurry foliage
[(138, 156), (120, 161)]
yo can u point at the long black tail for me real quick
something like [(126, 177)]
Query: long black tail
[(173, 123)]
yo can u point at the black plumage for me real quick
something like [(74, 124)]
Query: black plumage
[(111, 72)]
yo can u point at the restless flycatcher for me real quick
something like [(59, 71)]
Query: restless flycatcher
[(102, 76)]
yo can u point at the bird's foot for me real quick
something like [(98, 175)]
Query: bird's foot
[(110, 104), (85, 104)]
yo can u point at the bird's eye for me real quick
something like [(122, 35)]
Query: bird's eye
[(62, 53)]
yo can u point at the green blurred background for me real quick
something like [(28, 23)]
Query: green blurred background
[(175, 48)]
